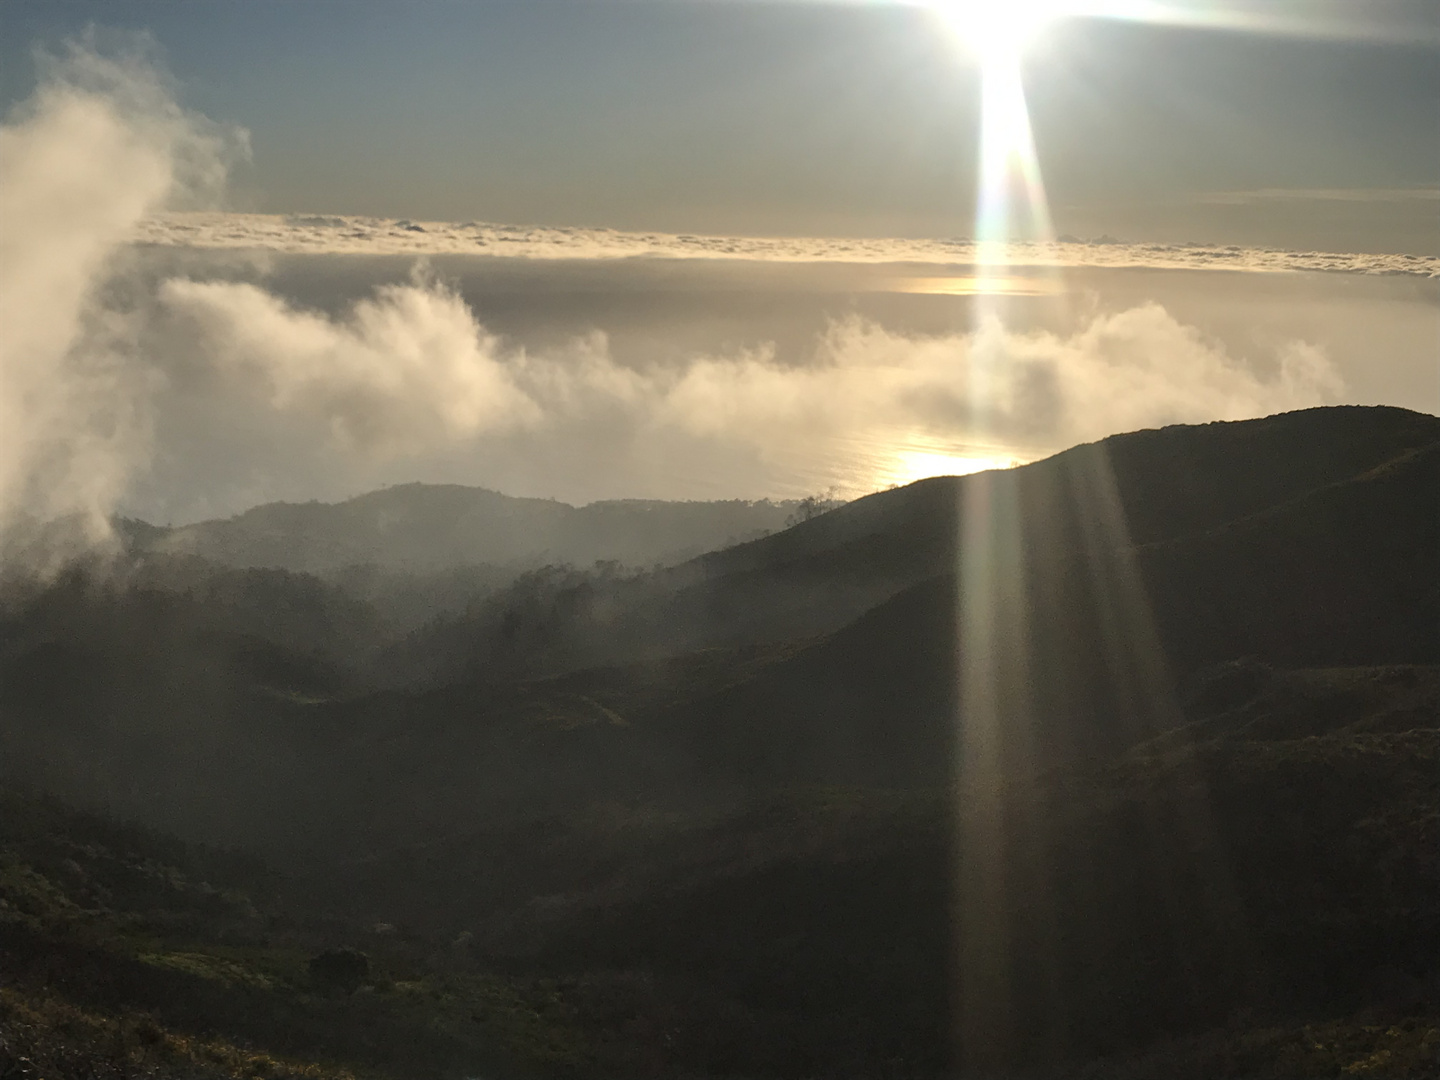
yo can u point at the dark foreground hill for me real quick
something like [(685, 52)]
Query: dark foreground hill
[(1120, 764), (1320, 476), (1248, 897)]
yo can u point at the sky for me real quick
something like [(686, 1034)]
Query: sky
[(687, 249), (798, 118)]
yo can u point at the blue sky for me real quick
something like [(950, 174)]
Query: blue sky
[(800, 118)]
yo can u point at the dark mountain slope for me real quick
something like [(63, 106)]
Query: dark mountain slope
[(1077, 660), (1345, 574), (1275, 858), (1090, 638), (1003, 772), (1224, 471), (151, 701), (801, 933), (127, 953), (1070, 514), (1171, 481), (174, 704), (1162, 894)]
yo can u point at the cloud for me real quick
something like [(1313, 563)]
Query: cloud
[(411, 370), (400, 372), (1343, 195), (379, 236), (99, 147), (1137, 368)]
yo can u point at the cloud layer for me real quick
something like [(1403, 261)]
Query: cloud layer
[(410, 370), (328, 234)]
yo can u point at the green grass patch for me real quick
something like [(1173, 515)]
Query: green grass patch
[(206, 966)]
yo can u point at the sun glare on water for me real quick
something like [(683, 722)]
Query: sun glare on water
[(909, 465)]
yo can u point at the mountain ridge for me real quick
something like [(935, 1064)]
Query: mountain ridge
[(431, 527)]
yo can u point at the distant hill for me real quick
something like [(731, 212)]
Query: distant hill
[(427, 528)]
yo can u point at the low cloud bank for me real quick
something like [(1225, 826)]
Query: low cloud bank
[(411, 370), (325, 234), (94, 351), (406, 369)]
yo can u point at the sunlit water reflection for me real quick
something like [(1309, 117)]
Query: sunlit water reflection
[(860, 464)]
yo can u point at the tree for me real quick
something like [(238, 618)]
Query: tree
[(812, 506), (340, 969)]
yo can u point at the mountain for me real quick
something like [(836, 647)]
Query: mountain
[(1341, 499), (834, 652), (427, 528), (1122, 763)]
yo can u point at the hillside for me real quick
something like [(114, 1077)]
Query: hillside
[(1199, 892), (428, 528), (1080, 519), (1119, 764)]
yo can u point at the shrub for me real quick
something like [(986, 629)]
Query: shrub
[(340, 969)]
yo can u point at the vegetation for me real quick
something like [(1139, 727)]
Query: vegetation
[(730, 819)]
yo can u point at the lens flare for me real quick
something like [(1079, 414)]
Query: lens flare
[(993, 725), (1010, 203), (991, 29), (1006, 589)]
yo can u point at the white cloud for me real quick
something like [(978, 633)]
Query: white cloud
[(377, 236), (97, 149), (1138, 368), (402, 371), (411, 370)]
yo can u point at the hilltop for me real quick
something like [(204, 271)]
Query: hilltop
[(427, 528)]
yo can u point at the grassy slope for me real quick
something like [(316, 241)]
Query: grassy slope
[(125, 952), (1271, 864), (1276, 856), (1311, 797)]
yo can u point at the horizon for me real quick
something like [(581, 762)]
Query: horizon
[(833, 497)]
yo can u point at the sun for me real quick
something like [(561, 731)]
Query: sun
[(997, 31), (909, 465)]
